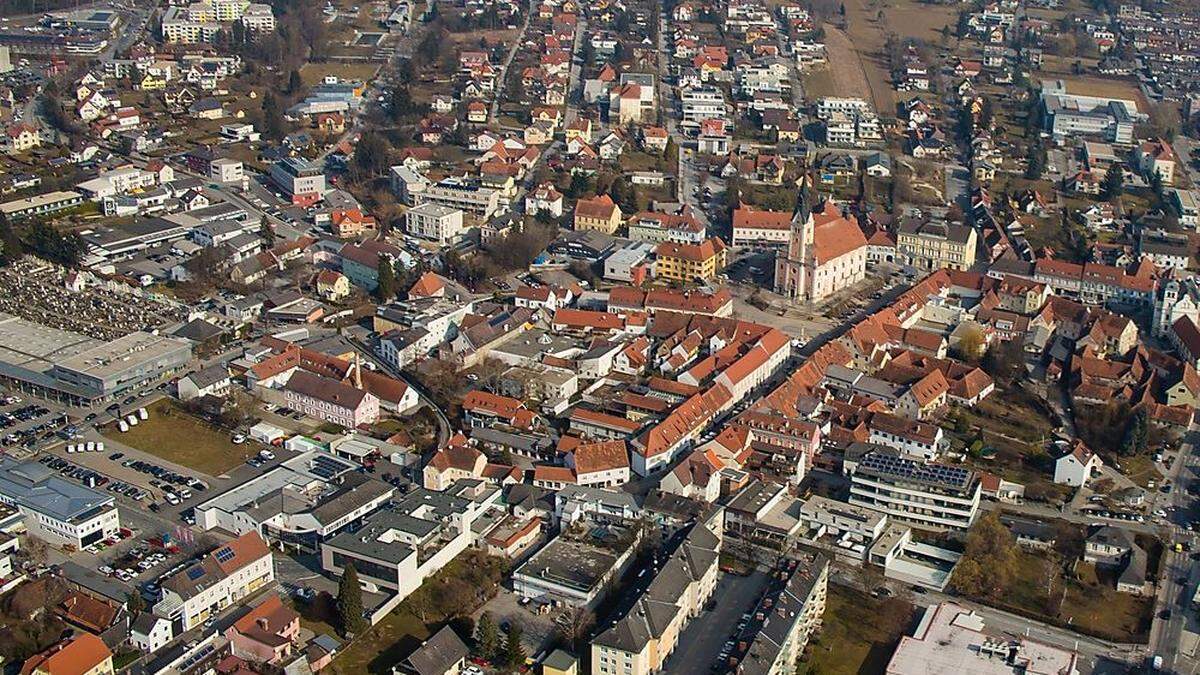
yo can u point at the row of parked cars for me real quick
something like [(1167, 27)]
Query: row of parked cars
[(175, 486), (139, 560)]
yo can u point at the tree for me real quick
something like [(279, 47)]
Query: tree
[(295, 83), (1114, 182), (266, 231), (349, 602), (971, 344), (1156, 185), (386, 288), (514, 653), (1137, 434), (487, 637), (990, 561), (135, 603), (272, 110), (1037, 163), (371, 154)]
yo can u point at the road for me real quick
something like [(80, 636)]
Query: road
[(502, 78), (444, 428), (1174, 638)]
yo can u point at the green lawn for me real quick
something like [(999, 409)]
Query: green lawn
[(176, 436), (858, 636)]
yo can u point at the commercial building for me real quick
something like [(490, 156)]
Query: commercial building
[(57, 510), (41, 205), (301, 180), (209, 585), (570, 571), (299, 503), (397, 548), (934, 496), (951, 638), (597, 213), (443, 224), (1071, 114), (72, 367)]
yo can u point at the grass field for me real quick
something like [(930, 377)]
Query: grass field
[(859, 634), (385, 645), (175, 436), (312, 73), (853, 73)]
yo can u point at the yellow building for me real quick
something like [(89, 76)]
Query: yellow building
[(560, 663), (688, 262), (930, 244), (598, 213), (85, 654)]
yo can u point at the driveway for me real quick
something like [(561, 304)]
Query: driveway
[(701, 642)]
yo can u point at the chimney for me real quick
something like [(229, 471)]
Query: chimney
[(357, 371)]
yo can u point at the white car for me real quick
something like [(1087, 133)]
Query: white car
[(472, 670), (238, 439)]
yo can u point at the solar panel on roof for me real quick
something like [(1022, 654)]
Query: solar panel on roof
[(195, 573), (225, 555)]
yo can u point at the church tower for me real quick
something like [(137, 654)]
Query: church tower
[(792, 269)]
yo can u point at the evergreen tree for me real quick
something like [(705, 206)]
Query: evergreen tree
[(135, 603), (386, 290), (273, 127), (1114, 182), (514, 653), (295, 84), (487, 637), (349, 602), (265, 231)]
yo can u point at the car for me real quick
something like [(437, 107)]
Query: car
[(1165, 614), (116, 455), (238, 439), (919, 590), (472, 670)]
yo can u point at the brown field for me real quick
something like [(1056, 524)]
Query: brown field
[(853, 74), (819, 83), (1100, 86)]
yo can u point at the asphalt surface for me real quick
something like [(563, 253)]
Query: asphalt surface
[(702, 640)]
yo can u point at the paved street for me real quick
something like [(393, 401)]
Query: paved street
[(702, 640)]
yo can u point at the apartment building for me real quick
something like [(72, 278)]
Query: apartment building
[(207, 586), (931, 244), (785, 618), (597, 213), (463, 194), (640, 642), (436, 222), (330, 400), (689, 262), (701, 103), (928, 495)]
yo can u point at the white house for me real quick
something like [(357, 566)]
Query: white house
[(150, 633), (1077, 467)]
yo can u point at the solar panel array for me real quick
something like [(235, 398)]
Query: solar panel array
[(224, 555), (940, 475), (195, 572), (327, 467)]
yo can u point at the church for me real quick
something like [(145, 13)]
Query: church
[(826, 252)]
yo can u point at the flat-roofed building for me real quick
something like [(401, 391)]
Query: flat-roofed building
[(299, 503), (57, 510), (570, 571), (73, 367), (929, 495), (40, 205), (397, 548), (437, 222), (951, 638)]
